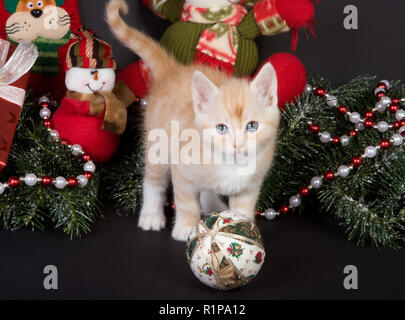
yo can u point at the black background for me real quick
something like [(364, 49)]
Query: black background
[(305, 255)]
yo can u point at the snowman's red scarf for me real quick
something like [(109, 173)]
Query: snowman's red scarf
[(115, 117)]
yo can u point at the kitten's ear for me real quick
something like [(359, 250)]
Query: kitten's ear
[(203, 91), (265, 83)]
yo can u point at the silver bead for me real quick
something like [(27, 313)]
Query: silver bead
[(45, 113), (83, 181), (400, 114), (345, 141), (343, 171), (2, 188), (143, 103), (397, 139), (359, 126), (332, 101), (90, 166), (355, 117), (54, 135), (387, 83), (324, 137), (308, 89), (295, 201), (76, 149), (43, 99), (402, 129), (60, 182), (30, 180), (383, 126), (270, 214), (316, 182), (379, 90), (370, 152), (386, 100), (381, 106)]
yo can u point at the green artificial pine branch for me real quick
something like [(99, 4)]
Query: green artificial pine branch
[(73, 210)]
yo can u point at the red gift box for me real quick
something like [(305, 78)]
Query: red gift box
[(11, 94)]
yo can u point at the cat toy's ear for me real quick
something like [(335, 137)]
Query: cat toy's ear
[(265, 83), (203, 91)]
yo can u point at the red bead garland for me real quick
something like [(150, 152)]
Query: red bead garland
[(14, 182), (385, 144), (380, 94), (320, 92), (368, 123), (47, 181), (357, 161), (304, 192), (72, 182), (329, 175), (342, 110), (393, 108), (88, 175), (284, 209), (314, 128)]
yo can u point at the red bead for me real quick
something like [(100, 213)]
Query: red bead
[(369, 114), (14, 182), (48, 123), (342, 110), (284, 209), (314, 128), (357, 161), (385, 144), (396, 125), (321, 92), (368, 123), (402, 123), (382, 85), (46, 181), (64, 141), (44, 104), (329, 175), (72, 182), (393, 108), (173, 206), (86, 157), (394, 100), (353, 133), (380, 94), (336, 140), (88, 175), (304, 192)]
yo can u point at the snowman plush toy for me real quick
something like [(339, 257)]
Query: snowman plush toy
[(91, 115)]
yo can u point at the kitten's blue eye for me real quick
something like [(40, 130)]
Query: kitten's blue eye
[(222, 129), (252, 126)]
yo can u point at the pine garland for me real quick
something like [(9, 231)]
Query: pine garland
[(33, 151), (369, 204)]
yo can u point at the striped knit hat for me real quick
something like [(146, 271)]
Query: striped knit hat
[(88, 51)]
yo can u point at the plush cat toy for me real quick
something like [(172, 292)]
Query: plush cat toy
[(91, 115), (48, 24), (221, 33)]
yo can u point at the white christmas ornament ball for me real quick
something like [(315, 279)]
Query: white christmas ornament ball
[(225, 250)]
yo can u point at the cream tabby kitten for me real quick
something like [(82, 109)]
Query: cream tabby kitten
[(240, 114)]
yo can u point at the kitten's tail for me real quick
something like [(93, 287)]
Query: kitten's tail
[(150, 51)]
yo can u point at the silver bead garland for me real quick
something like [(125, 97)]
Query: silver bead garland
[(343, 171), (31, 179)]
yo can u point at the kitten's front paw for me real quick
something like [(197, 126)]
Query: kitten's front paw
[(181, 232), (152, 222)]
